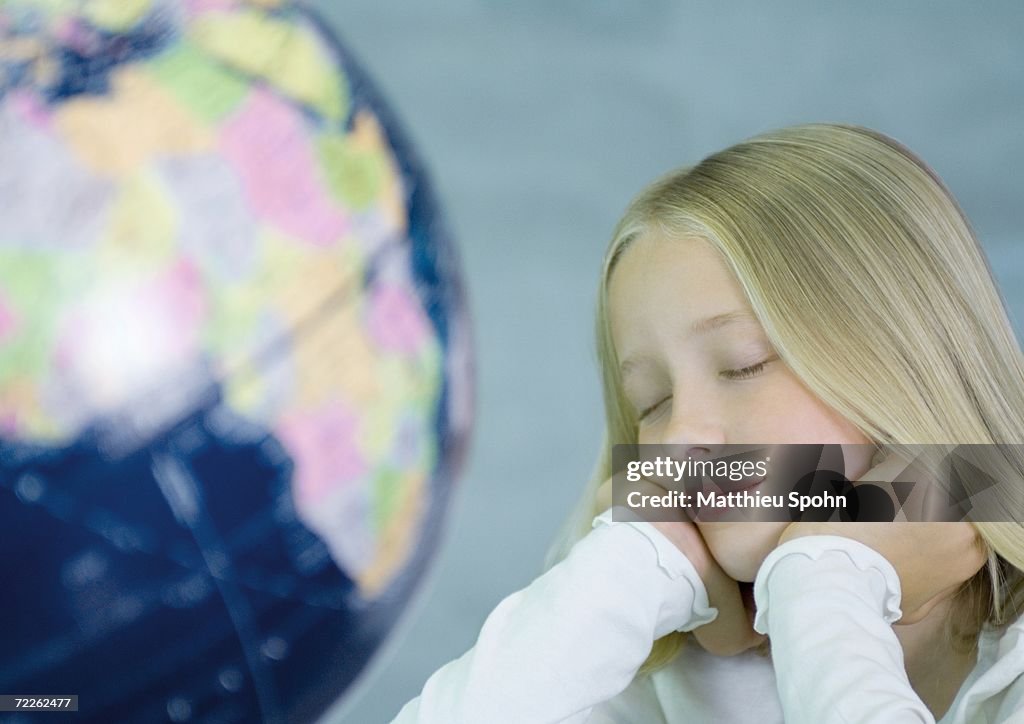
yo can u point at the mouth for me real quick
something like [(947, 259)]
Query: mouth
[(725, 486), (749, 484), (714, 514)]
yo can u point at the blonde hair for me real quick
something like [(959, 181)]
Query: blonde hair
[(873, 289)]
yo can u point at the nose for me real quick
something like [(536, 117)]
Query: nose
[(694, 425)]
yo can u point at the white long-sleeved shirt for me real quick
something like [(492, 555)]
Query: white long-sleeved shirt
[(567, 647)]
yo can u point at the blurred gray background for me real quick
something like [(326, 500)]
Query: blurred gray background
[(540, 119)]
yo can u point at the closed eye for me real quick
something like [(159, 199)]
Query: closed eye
[(744, 373), (750, 371), (648, 410)]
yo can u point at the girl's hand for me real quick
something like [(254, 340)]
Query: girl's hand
[(732, 631), (931, 559)]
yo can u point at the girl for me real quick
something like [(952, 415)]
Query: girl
[(817, 284)]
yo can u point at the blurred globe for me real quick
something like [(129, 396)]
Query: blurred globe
[(234, 369)]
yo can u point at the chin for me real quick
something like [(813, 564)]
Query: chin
[(740, 548)]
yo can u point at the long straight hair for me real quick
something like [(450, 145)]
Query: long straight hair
[(872, 288)]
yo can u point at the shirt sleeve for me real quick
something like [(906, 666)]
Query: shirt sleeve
[(574, 637), (828, 604)]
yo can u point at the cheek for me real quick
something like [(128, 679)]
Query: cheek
[(775, 410), (740, 548), (790, 413)]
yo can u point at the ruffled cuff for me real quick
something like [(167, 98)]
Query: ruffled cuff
[(673, 562), (830, 552)]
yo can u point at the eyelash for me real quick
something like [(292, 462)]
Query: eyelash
[(745, 372), (740, 374)]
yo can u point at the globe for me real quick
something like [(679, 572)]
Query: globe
[(235, 370)]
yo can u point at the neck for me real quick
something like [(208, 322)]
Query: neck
[(935, 668)]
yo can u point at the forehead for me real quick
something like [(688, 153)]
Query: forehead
[(683, 278)]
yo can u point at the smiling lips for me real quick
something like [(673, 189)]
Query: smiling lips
[(751, 483), (710, 513), (736, 486)]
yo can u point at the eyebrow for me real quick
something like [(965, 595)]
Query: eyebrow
[(701, 326)]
